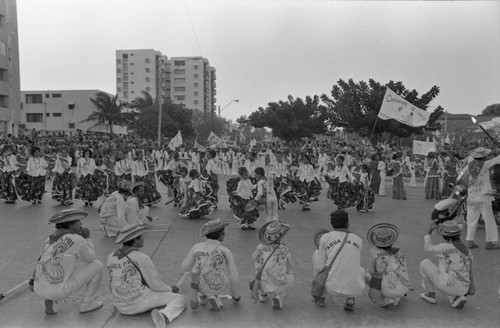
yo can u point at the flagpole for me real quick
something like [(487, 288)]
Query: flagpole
[(373, 129)]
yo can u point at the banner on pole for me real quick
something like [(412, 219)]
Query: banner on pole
[(423, 147), (176, 141), (397, 108)]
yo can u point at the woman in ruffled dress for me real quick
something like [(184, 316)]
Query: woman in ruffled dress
[(241, 191), (211, 171), (369, 196), (310, 187), (432, 183), (86, 188), (141, 173), (37, 170), (343, 191), (398, 187), (62, 186), (123, 167), (197, 203)]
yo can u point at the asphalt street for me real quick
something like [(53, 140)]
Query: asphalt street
[(23, 228)]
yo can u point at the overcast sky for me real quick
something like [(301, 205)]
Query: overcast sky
[(266, 50)]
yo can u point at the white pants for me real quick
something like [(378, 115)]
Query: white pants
[(269, 211), (381, 189), (473, 212), (413, 180), (88, 276), (174, 304), (431, 279), (225, 168)]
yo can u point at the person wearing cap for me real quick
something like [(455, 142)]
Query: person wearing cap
[(347, 277), (387, 270), (214, 264), (274, 260), (135, 283), (68, 263), (477, 177), (86, 188), (453, 276), (112, 210)]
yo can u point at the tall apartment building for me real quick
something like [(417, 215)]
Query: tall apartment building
[(10, 86), (184, 80)]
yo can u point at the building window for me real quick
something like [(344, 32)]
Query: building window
[(3, 75), (196, 93), (179, 63), (195, 66), (179, 71), (179, 89), (132, 82), (34, 117), (179, 80), (2, 20), (118, 70), (56, 95), (125, 77), (196, 102), (196, 84), (125, 94), (148, 79), (71, 106), (47, 114), (56, 114), (71, 125), (4, 101), (148, 89), (125, 86), (125, 56), (3, 47), (180, 97), (131, 64), (118, 61), (119, 80), (196, 76), (34, 99), (47, 95), (125, 67), (119, 89), (148, 69), (147, 60)]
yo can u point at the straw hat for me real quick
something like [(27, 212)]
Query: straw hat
[(272, 232), (449, 229), (480, 152), (130, 232), (137, 184), (383, 235), (317, 236), (212, 226), (68, 215)]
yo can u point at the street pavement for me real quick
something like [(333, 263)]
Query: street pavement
[(24, 228)]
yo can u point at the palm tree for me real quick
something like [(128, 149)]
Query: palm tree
[(109, 110)]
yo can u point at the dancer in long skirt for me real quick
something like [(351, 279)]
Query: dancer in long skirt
[(245, 192), (398, 187), (123, 167), (368, 199), (86, 188), (22, 179), (211, 172), (375, 173), (432, 184), (410, 162), (109, 163), (344, 190), (36, 170), (9, 171), (101, 178), (62, 186), (141, 172), (382, 168), (310, 187), (197, 204)]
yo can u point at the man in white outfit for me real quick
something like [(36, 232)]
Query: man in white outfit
[(477, 176), (68, 264), (135, 283)]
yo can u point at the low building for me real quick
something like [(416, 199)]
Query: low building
[(61, 110)]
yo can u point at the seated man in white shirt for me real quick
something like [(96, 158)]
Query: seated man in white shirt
[(112, 211), (135, 283)]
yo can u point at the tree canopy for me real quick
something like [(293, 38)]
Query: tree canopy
[(290, 120), (355, 106), (109, 110), (491, 110)]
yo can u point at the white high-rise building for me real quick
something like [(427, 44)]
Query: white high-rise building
[(185, 80)]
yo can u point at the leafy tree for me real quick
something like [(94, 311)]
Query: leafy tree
[(175, 117), (108, 110), (290, 120), (491, 110), (355, 106)]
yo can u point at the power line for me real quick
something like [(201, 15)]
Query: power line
[(192, 26)]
